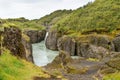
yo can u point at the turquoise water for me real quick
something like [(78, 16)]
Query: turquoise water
[(41, 55)]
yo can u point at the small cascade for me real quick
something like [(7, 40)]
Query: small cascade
[(46, 36), (41, 55)]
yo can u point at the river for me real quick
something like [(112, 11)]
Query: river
[(41, 55)]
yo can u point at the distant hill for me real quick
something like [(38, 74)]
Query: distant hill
[(54, 17)]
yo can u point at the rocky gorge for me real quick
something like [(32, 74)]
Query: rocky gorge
[(95, 46), (98, 55), (91, 45), (20, 43)]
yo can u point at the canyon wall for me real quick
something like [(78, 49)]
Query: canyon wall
[(17, 44), (88, 46), (35, 35)]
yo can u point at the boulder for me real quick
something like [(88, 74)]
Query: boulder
[(61, 60), (67, 44), (51, 40)]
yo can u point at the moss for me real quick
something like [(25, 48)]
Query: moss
[(93, 59), (73, 70), (26, 37), (113, 76)]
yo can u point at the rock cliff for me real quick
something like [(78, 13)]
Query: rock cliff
[(35, 35), (14, 41), (51, 41), (88, 46)]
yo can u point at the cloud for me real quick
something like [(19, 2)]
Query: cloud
[(32, 9)]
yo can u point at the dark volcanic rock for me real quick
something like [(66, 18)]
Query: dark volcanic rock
[(51, 41), (14, 42), (28, 49), (1, 34), (98, 40), (88, 46), (116, 42), (114, 61), (35, 35), (61, 60), (66, 44), (94, 46), (91, 51)]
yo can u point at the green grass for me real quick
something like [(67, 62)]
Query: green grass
[(12, 68), (114, 76), (54, 17), (21, 24)]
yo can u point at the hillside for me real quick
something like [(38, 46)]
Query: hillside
[(21, 23), (103, 15), (13, 68), (54, 17)]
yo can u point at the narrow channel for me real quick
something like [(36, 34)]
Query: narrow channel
[(41, 55)]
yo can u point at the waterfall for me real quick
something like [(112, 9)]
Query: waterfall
[(46, 36), (41, 55)]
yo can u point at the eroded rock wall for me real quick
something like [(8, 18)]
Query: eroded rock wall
[(35, 35), (14, 41), (51, 41), (88, 46)]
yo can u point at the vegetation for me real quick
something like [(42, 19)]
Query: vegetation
[(101, 15), (113, 76), (54, 17), (13, 68), (22, 23)]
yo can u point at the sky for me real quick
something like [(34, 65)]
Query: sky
[(34, 9)]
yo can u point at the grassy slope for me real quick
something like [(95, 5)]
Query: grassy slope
[(52, 18), (12, 68), (114, 76), (100, 15), (22, 23)]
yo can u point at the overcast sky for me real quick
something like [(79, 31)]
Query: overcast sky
[(34, 9)]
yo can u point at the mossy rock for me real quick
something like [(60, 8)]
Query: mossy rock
[(107, 70), (114, 63), (73, 70), (61, 60), (98, 40), (27, 38)]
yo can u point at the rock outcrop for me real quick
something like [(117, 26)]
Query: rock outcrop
[(67, 44), (1, 42), (14, 42), (35, 35), (116, 42), (61, 60), (51, 41), (114, 61), (98, 40), (94, 46), (28, 47), (91, 51), (88, 46)]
